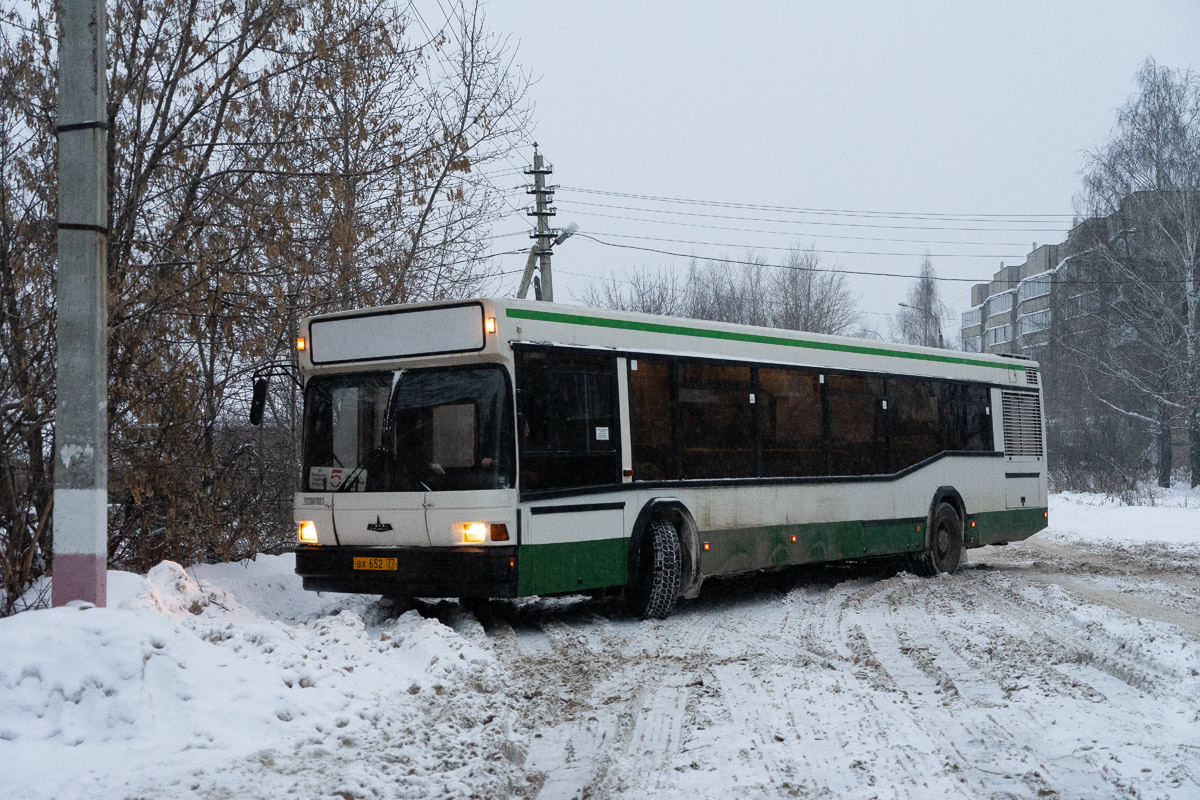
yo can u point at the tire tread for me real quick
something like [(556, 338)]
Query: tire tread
[(656, 589)]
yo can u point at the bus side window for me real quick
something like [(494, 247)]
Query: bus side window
[(652, 420), (716, 421), (916, 430), (857, 425), (793, 428), (967, 422), (979, 421)]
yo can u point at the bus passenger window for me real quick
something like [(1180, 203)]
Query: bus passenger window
[(793, 427), (857, 425), (916, 429), (651, 420), (968, 423), (716, 421)]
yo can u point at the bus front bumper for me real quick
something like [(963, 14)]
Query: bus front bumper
[(416, 572)]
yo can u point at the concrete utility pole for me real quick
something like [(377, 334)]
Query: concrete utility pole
[(81, 418), (544, 235)]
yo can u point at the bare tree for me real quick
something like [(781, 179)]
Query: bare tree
[(725, 291), (27, 251), (266, 159), (640, 290), (807, 298), (922, 316), (1146, 184), (798, 294)]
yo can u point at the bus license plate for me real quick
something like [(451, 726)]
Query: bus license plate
[(372, 562)]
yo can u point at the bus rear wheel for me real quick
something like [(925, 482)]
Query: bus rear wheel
[(653, 592), (945, 548)]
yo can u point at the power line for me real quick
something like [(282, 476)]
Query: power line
[(824, 223), (989, 256), (743, 262), (868, 273), (794, 233), (974, 217)]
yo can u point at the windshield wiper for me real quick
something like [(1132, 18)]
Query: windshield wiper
[(376, 454), (353, 478)]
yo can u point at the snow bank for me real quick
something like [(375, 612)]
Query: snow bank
[(198, 680), (1095, 518)]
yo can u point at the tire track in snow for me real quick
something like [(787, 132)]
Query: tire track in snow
[(881, 639), (966, 686), (1139, 606), (1071, 640), (920, 656), (1022, 633), (642, 764)]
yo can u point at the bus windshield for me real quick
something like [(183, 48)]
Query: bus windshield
[(409, 431)]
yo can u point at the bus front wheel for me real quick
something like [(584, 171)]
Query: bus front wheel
[(944, 551), (654, 590)]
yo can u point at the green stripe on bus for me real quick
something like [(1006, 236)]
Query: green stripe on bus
[(742, 549), (577, 566), (572, 566), (1006, 526), (754, 338)]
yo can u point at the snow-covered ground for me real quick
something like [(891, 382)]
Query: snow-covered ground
[(1067, 666)]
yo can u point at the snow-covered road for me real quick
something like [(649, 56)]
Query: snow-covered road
[(1042, 670), (1067, 666)]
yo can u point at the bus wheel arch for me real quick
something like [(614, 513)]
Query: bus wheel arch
[(674, 512), (950, 495), (945, 535)]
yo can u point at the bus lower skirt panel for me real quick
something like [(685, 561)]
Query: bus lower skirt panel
[(476, 572)]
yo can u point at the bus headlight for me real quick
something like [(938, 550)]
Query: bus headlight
[(308, 532), (479, 532), (473, 532)]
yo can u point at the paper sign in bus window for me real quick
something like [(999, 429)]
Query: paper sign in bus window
[(330, 479)]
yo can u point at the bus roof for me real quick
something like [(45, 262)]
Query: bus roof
[(531, 321)]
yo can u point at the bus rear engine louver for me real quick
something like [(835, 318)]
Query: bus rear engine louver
[(1031, 377), (1022, 424)]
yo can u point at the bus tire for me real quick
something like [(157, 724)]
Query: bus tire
[(945, 548), (654, 590)]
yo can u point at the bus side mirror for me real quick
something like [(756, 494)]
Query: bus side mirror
[(259, 401)]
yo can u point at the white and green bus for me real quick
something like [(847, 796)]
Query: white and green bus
[(508, 448)]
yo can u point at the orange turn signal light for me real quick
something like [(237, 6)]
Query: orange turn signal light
[(499, 532), (706, 545)]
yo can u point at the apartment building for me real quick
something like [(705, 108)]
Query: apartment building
[(1061, 302), (1011, 313)]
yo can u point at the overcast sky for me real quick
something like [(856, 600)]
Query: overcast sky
[(949, 108)]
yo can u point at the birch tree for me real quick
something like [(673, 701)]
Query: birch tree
[(1146, 184), (921, 318)]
